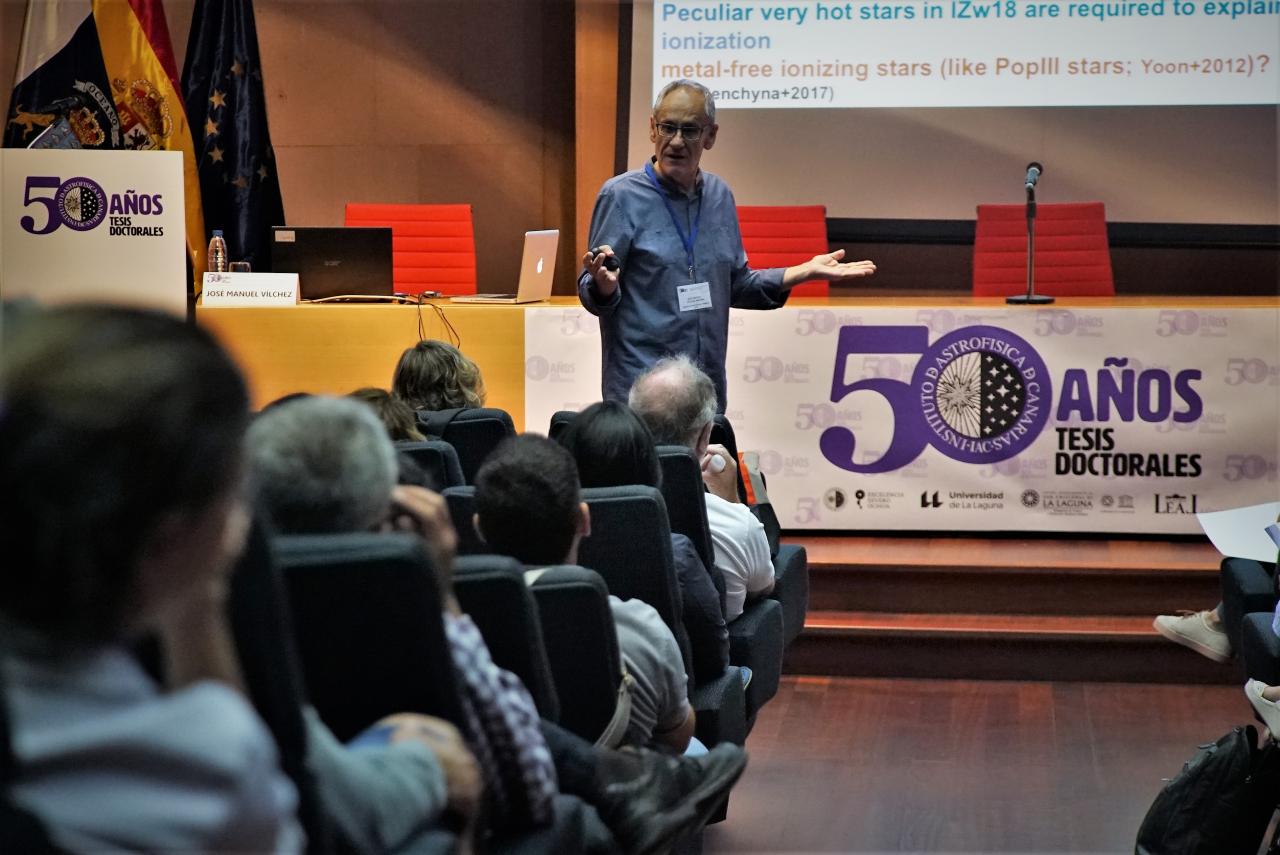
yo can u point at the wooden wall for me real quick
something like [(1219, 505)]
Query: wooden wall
[(414, 101)]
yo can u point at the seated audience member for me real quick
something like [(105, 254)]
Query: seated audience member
[(1266, 699), (612, 447), (326, 465), (395, 414), (435, 375), (120, 453), (528, 506), (678, 403)]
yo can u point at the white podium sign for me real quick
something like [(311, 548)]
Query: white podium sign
[(93, 225)]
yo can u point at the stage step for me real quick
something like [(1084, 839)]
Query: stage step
[(1003, 608)]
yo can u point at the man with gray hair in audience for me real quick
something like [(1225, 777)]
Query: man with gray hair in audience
[(677, 400), (323, 464)]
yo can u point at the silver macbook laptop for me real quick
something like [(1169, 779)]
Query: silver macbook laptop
[(537, 270)]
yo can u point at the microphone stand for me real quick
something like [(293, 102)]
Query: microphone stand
[(1031, 297)]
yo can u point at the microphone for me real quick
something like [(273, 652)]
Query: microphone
[(1034, 171)]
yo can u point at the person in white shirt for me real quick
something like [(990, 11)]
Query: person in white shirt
[(677, 400)]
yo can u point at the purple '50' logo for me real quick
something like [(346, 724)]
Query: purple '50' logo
[(979, 394), (77, 203)]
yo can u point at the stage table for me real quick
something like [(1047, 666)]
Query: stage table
[(1185, 391)]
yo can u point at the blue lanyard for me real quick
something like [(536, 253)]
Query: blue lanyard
[(687, 239)]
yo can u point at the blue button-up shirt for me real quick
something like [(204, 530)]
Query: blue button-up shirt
[(641, 322)]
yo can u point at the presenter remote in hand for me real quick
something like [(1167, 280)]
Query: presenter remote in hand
[(667, 262)]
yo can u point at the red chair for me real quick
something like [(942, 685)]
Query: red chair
[(784, 235), (433, 246), (1072, 255)]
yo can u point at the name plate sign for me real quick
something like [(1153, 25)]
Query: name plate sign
[(250, 289)]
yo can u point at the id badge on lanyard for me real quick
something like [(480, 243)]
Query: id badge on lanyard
[(696, 295)]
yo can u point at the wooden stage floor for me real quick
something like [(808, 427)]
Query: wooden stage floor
[(884, 765)]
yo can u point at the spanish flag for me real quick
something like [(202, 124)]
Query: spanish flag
[(144, 84), (105, 70)]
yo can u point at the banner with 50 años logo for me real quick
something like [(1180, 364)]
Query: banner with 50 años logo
[(1107, 419)]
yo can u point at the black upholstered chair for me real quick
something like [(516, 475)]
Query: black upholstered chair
[(1260, 648), (582, 647), (473, 432), (492, 591), (1247, 586), (630, 546), (686, 505), (791, 588), (462, 509), (262, 627), (722, 434), (437, 458), (560, 420), (756, 637), (369, 627)]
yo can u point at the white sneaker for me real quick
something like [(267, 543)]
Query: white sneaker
[(1267, 710), (1193, 630)]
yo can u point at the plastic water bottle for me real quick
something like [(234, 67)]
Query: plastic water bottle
[(217, 253)]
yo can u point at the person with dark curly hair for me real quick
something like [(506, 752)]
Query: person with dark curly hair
[(435, 375)]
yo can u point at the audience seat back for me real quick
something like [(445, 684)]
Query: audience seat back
[(582, 647), (369, 625), (437, 458), (560, 421), (492, 591), (722, 434), (630, 547), (462, 510), (433, 246), (262, 627), (473, 433), (685, 497)]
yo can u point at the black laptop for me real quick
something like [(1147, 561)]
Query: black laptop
[(334, 263)]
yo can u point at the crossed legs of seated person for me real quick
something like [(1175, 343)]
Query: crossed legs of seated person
[(1201, 631), (648, 799)]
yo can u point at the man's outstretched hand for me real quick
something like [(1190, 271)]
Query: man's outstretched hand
[(829, 267)]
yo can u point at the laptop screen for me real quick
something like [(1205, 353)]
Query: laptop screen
[(334, 261)]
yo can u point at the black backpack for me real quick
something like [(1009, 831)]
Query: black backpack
[(1219, 804)]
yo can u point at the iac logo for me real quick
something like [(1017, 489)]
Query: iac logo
[(979, 394)]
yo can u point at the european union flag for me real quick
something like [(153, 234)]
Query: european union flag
[(222, 88)]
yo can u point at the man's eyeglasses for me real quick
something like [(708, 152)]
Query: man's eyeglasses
[(689, 133)]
